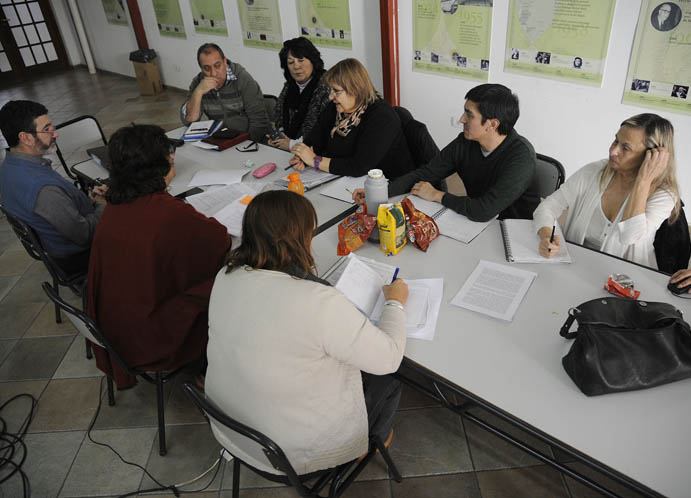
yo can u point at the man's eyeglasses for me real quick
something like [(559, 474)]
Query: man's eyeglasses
[(251, 147), (49, 129)]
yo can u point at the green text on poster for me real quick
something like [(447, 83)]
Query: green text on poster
[(169, 18), (325, 22), (208, 17), (261, 24)]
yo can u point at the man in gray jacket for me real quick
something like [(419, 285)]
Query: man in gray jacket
[(224, 90)]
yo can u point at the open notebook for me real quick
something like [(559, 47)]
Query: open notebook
[(521, 243), (450, 223)]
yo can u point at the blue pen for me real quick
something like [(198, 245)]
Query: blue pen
[(395, 274)]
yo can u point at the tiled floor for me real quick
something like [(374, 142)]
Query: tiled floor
[(439, 454)]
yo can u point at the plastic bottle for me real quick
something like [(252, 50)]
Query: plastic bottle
[(295, 184), (376, 192)]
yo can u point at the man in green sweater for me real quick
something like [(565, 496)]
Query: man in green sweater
[(224, 90), (496, 164)]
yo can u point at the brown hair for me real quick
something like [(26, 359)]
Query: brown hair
[(352, 76), (659, 132), (277, 232)]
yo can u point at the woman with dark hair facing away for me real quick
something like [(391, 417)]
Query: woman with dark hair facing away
[(311, 369), (304, 93), (153, 261), (616, 205), (357, 132)]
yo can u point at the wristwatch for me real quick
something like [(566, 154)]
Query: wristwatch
[(317, 160)]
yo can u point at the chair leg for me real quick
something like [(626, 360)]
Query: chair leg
[(111, 391), (89, 354), (387, 458), (58, 319), (236, 478), (161, 422)]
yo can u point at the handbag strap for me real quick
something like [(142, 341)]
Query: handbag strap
[(564, 331)]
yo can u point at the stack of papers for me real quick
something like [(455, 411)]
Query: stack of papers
[(200, 130), (342, 188), (450, 223), (310, 178), (226, 204), (495, 290), (361, 279)]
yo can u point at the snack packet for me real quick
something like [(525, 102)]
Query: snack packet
[(421, 229), (391, 228), (354, 231)]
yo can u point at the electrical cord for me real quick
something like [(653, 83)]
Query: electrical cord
[(161, 487), (13, 445)]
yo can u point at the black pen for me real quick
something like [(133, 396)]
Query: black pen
[(287, 167), (551, 237)]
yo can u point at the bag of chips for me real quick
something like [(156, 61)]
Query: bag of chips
[(354, 231), (421, 229)]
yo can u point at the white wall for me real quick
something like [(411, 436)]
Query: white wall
[(111, 44), (63, 18), (573, 123)]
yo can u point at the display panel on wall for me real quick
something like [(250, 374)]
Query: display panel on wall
[(452, 37), (325, 22), (115, 12), (208, 17), (660, 67), (560, 39), (261, 23), (169, 18)]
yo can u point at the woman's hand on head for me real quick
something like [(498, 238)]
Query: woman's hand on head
[(398, 291), (654, 165)]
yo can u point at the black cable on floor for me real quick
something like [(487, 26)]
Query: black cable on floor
[(13, 444), (162, 487)]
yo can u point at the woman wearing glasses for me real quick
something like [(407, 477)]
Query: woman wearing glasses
[(357, 131), (304, 93), (153, 261)]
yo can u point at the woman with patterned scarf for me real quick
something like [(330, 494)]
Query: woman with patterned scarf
[(357, 131), (304, 94)]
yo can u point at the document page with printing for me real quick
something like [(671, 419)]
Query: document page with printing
[(494, 290)]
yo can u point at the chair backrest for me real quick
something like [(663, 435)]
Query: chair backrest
[(87, 327), (245, 434), (673, 245), (270, 102), (549, 175), (420, 142), (32, 243), (78, 134)]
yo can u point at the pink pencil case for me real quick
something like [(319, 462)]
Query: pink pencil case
[(264, 170)]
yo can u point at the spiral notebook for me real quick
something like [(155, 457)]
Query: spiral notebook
[(521, 243), (451, 224)]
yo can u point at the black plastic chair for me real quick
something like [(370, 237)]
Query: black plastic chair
[(337, 478), (270, 102), (74, 134), (549, 175), (420, 143), (31, 242), (91, 331)]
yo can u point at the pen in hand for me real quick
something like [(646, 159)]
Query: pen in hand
[(395, 274), (551, 237)]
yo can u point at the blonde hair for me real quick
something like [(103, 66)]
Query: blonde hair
[(354, 79), (658, 133)]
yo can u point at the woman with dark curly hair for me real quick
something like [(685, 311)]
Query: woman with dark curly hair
[(153, 261), (304, 93)]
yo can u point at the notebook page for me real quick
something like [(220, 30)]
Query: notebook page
[(340, 188), (494, 290), (213, 177), (450, 223), (524, 242), (212, 201), (360, 284)]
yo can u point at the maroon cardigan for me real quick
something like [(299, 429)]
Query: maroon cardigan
[(153, 263)]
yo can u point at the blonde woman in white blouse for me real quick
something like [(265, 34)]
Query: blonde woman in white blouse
[(616, 205)]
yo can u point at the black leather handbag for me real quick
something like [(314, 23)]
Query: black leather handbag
[(624, 345)]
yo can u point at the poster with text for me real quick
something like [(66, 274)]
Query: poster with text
[(115, 12), (325, 22), (660, 67), (261, 24), (560, 39), (169, 18), (208, 17), (452, 37)]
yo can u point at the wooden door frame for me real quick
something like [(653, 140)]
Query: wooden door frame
[(388, 15)]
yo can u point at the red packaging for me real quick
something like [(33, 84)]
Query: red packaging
[(354, 231), (421, 229)]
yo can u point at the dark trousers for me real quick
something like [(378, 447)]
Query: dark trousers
[(76, 263), (382, 396)]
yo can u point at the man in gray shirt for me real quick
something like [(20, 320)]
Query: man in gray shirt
[(64, 218)]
